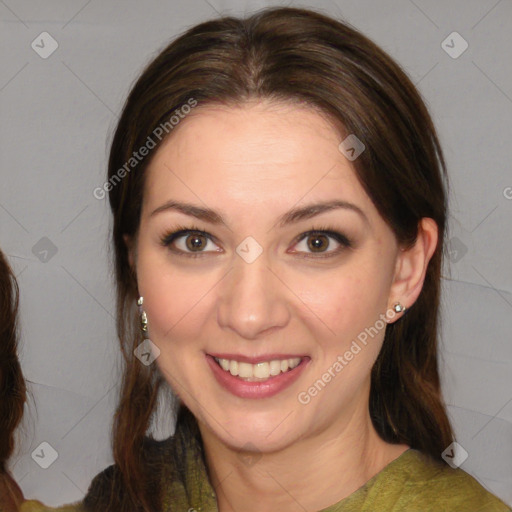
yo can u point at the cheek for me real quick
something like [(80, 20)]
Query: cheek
[(171, 304), (346, 301), (169, 296)]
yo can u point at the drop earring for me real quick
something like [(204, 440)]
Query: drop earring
[(143, 316), (146, 351)]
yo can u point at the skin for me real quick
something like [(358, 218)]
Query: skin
[(252, 164)]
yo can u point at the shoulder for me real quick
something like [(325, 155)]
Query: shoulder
[(110, 483), (104, 486), (98, 487), (420, 481), (11, 499), (37, 506)]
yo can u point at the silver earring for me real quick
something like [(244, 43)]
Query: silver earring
[(143, 316), (398, 308)]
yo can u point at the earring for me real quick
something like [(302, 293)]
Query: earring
[(143, 316), (398, 308)]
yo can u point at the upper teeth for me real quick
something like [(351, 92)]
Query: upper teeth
[(262, 370)]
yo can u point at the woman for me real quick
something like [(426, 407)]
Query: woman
[(279, 213), (12, 385)]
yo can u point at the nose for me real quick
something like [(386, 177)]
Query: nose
[(252, 300)]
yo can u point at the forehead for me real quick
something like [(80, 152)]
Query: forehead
[(255, 154)]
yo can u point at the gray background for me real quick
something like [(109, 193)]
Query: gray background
[(57, 117)]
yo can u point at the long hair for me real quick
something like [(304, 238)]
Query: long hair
[(13, 392), (301, 56)]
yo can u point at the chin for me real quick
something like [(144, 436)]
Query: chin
[(259, 432)]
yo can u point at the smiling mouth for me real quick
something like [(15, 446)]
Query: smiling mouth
[(261, 371)]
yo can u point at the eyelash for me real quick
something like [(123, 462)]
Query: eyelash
[(180, 231)]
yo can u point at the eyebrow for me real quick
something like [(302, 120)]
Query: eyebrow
[(291, 217)]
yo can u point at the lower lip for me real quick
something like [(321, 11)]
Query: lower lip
[(261, 389)]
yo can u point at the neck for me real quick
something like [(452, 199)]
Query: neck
[(312, 473)]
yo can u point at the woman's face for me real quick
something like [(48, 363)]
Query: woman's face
[(254, 286)]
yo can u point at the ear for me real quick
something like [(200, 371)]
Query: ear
[(411, 266)]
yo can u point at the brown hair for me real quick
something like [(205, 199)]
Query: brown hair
[(288, 54), (12, 384)]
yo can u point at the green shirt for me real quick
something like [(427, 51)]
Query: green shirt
[(412, 482)]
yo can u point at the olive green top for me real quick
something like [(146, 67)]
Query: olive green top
[(412, 482)]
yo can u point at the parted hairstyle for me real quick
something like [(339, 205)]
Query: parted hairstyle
[(301, 57)]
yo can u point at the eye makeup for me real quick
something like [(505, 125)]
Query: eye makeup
[(182, 232)]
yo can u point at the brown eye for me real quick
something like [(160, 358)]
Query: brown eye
[(196, 241), (321, 243), (318, 243), (190, 242)]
